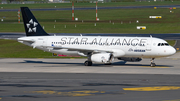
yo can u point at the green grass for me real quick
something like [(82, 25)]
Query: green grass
[(60, 5), (11, 48), (168, 24), (171, 42), (14, 49)]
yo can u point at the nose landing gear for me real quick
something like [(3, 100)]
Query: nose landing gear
[(152, 63)]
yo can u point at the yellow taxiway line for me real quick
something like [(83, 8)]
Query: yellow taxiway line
[(156, 67), (71, 93), (158, 88)]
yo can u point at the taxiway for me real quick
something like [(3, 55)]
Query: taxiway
[(168, 65), (28, 79)]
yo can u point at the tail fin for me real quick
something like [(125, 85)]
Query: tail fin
[(31, 25)]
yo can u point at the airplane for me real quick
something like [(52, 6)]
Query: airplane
[(97, 49)]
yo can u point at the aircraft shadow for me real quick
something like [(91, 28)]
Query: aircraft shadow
[(41, 62), (125, 63), (120, 63), (139, 64)]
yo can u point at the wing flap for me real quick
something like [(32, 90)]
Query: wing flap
[(86, 51)]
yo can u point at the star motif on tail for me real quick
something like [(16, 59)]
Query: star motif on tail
[(31, 26)]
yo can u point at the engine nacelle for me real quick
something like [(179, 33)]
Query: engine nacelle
[(130, 59), (102, 58)]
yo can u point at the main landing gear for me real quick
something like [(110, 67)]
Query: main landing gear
[(88, 63), (152, 63)]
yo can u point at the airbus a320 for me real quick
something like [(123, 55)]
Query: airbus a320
[(97, 49)]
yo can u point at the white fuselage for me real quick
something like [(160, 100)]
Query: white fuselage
[(144, 47)]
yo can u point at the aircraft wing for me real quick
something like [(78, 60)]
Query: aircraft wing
[(86, 51), (80, 49)]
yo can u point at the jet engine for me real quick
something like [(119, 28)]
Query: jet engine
[(130, 59), (102, 58)]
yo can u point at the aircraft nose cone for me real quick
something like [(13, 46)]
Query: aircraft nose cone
[(172, 51)]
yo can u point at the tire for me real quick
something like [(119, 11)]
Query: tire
[(107, 64), (88, 63), (153, 64)]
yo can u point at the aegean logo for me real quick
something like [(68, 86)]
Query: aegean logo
[(130, 50), (31, 26), (103, 59)]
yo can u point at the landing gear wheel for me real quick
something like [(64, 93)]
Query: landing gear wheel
[(153, 64), (88, 63), (107, 64)]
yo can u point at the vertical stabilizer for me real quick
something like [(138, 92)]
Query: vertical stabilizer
[(31, 25)]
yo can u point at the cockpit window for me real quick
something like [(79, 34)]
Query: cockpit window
[(163, 44), (166, 44)]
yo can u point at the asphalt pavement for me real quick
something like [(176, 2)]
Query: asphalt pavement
[(29, 79), (88, 87)]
